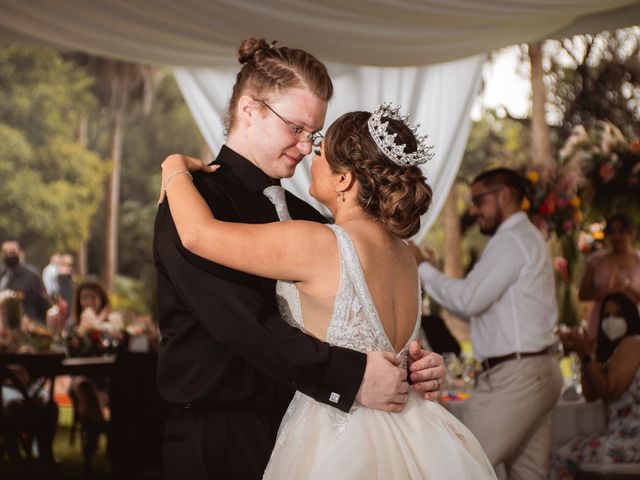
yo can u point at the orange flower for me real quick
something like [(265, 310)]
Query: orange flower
[(526, 204), (575, 201), (533, 176)]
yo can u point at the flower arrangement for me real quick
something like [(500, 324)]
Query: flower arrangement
[(592, 239), (10, 310), (98, 334), (553, 202), (611, 166), (17, 332)]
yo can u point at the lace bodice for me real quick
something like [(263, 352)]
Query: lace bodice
[(355, 323)]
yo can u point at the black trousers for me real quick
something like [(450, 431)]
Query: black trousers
[(219, 444)]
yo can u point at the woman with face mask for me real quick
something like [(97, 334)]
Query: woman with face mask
[(610, 372)]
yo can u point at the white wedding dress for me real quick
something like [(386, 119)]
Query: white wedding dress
[(317, 441)]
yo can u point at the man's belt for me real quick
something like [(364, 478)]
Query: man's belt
[(493, 361)]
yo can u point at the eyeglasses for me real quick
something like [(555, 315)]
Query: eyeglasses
[(297, 131), (476, 199)]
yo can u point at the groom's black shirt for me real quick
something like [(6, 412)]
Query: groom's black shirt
[(223, 342)]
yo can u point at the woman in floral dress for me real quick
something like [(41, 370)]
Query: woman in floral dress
[(610, 373)]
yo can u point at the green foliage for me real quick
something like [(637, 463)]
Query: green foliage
[(41, 94), (50, 185), (167, 128), (495, 141), (130, 295), (595, 78)]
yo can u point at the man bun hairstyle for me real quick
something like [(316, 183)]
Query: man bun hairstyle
[(397, 196), (268, 69)]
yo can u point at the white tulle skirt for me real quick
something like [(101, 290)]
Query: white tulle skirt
[(425, 441)]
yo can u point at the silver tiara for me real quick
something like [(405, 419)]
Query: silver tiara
[(386, 141)]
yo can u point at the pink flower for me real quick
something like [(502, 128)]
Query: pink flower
[(561, 265)]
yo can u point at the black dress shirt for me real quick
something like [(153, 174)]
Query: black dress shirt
[(223, 343)]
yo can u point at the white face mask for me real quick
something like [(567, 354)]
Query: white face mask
[(614, 327)]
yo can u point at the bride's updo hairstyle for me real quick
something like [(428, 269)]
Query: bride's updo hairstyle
[(271, 70), (397, 196)]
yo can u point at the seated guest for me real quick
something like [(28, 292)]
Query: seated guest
[(91, 321), (610, 372)]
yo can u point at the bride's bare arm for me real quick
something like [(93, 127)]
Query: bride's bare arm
[(280, 250)]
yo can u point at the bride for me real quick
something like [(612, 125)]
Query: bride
[(353, 284)]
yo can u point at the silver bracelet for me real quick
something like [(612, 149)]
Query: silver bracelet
[(173, 174)]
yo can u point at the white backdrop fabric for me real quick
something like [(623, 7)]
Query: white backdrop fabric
[(439, 97), (357, 32)]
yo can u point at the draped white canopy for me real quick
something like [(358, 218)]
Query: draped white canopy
[(396, 38), (207, 33)]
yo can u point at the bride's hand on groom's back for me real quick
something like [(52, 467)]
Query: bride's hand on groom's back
[(427, 371), (178, 163), (384, 386)]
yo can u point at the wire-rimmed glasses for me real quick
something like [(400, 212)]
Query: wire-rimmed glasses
[(297, 131)]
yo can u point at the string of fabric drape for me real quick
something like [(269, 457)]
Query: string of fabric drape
[(438, 97)]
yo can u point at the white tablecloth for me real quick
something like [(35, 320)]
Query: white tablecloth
[(568, 419)]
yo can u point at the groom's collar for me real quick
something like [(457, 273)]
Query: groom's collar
[(247, 173)]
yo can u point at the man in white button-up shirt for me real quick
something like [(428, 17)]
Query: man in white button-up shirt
[(509, 299)]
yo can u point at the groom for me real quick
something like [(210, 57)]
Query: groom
[(228, 363)]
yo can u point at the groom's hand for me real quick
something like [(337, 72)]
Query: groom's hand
[(427, 371), (384, 386)]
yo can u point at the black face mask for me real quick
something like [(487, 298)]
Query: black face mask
[(11, 261)]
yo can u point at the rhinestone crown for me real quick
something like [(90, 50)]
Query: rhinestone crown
[(386, 141)]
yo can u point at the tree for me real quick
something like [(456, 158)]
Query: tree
[(540, 138), (596, 78), (50, 185), (168, 127)]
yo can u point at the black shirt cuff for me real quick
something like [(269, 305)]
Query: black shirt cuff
[(343, 379)]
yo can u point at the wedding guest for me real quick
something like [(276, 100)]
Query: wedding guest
[(16, 276), (509, 299), (65, 283), (611, 372), (50, 276), (90, 316), (616, 269), (91, 308)]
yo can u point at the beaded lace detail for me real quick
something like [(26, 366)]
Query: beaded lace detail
[(354, 324)]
